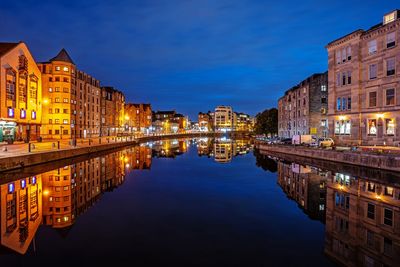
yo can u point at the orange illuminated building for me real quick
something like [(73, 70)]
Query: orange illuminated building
[(113, 119), (20, 93), (21, 212), (138, 117), (71, 100)]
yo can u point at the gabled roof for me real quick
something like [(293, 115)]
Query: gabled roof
[(6, 47), (63, 56)]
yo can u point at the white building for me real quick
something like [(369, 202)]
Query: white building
[(223, 118)]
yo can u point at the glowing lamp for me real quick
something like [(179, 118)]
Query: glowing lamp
[(342, 118), (380, 115)]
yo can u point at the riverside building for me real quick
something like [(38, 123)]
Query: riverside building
[(20, 93), (303, 108), (364, 103), (71, 100)]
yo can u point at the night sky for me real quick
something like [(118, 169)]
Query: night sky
[(191, 55)]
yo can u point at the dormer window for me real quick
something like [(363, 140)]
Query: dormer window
[(390, 17)]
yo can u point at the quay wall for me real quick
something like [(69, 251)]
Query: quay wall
[(390, 162)]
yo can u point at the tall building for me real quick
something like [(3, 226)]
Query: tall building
[(303, 108), (21, 93), (113, 120), (71, 100), (363, 84), (139, 117), (223, 118), (243, 122)]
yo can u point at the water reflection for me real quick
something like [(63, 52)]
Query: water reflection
[(57, 197), (362, 215), (223, 149)]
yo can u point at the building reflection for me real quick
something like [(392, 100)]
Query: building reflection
[(362, 221), (170, 148), (56, 198), (223, 149), (306, 186), (21, 211), (362, 216)]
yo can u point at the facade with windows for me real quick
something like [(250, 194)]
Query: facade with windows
[(303, 108), (112, 111), (364, 81), (362, 221), (20, 93), (223, 118), (138, 118)]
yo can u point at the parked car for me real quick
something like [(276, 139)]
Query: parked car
[(285, 141), (323, 142)]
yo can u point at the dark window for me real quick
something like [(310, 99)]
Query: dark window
[(349, 103), (371, 211), (372, 99), (390, 97), (388, 217)]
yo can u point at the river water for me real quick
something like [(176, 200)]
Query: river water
[(198, 202)]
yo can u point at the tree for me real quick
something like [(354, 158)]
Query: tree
[(267, 122)]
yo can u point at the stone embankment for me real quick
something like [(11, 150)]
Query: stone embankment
[(382, 161)]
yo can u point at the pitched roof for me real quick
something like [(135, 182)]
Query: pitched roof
[(63, 56), (5, 47)]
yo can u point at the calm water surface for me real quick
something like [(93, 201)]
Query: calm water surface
[(197, 202)]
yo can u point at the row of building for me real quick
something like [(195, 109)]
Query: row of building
[(224, 119), (56, 100), (356, 100)]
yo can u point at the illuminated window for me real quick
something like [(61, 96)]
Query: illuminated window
[(57, 121), (65, 100), (372, 130), (390, 97), (372, 48), (33, 115), (65, 121), (389, 191), (372, 99), (65, 69), (57, 100), (33, 88), (10, 112), (50, 89), (23, 113), (57, 89), (389, 17), (10, 86), (58, 68), (391, 39), (323, 88), (389, 125), (390, 66)]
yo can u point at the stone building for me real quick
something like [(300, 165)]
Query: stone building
[(71, 100), (139, 117), (303, 108), (363, 84), (113, 119), (20, 93)]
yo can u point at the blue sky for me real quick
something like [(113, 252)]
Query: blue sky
[(191, 55)]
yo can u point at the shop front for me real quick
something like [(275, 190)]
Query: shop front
[(7, 130)]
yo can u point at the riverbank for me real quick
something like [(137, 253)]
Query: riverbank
[(390, 162), (13, 161)]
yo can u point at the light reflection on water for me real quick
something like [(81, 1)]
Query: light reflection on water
[(360, 214)]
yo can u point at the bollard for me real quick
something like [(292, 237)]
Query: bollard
[(58, 144)]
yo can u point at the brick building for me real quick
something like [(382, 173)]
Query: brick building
[(303, 108)]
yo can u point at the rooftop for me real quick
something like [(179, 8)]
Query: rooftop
[(6, 47), (63, 56)]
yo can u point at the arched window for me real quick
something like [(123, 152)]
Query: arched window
[(33, 87), (10, 87)]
